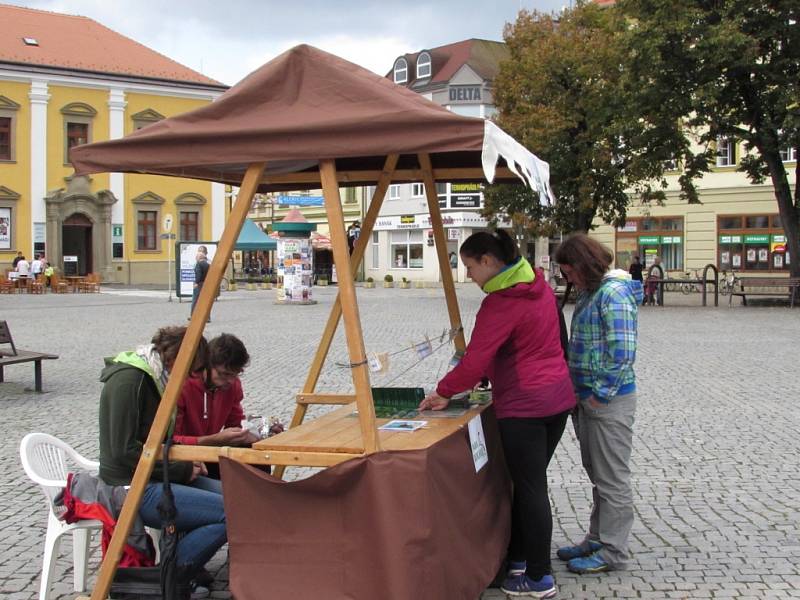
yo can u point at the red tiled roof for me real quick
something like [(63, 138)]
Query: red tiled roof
[(80, 43), (483, 57)]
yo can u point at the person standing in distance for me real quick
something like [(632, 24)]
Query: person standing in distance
[(200, 273), (602, 350)]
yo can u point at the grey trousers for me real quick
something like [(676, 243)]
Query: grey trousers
[(605, 435)]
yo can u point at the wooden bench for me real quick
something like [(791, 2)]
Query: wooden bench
[(776, 286), (21, 356)]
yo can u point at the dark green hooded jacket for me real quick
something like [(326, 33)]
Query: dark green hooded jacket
[(128, 405)]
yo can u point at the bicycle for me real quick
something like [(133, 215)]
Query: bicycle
[(687, 287), (726, 282)]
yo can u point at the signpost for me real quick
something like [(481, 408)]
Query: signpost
[(169, 236)]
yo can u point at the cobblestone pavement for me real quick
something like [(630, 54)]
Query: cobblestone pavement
[(715, 454)]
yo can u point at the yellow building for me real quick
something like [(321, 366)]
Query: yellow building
[(68, 80), (736, 226)]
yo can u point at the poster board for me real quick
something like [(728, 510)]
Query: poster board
[(295, 270), (185, 260), (5, 229)]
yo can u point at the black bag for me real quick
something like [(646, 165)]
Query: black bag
[(144, 583), (562, 323)]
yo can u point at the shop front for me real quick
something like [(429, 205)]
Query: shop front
[(649, 238), (752, 243)]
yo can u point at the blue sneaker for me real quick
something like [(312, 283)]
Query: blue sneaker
[(522, 585), (584, 549), (589, 564), (516, 568)]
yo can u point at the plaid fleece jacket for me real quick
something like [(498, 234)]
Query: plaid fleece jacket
[(602, 346)]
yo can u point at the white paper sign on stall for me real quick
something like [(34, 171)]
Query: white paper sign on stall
[(477, 442)]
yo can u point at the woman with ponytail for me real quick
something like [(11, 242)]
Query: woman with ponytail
[(516, 343)]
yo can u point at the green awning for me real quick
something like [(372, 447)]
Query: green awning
[(252, 238)]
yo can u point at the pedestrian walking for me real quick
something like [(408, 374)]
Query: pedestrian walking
[(200, 273)]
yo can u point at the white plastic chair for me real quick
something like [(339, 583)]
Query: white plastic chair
[(45, 460)]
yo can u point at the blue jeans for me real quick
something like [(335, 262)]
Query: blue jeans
[(201, 520)]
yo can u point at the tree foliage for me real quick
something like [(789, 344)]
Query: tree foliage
[(566, 94), (728, 69)]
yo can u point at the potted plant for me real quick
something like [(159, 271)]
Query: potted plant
[(405, 284), (388, 281), (369, 283), (419, 284), (322, 279), (251, 282), (266, 284)]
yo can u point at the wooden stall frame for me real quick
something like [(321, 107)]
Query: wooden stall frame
[(345, 306)]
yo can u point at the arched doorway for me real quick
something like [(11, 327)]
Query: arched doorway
[(76, 240)]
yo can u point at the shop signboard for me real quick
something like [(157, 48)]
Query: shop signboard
[(671, 239), (762, 238), (186, 253), (778, 244), (464, 93), (649, 240), (730, 239), (301, 201), (465, 195), (629, 227)]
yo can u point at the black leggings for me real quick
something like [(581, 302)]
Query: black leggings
[(528, 444)]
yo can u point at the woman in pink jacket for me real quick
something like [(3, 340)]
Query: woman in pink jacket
[(516, 343)]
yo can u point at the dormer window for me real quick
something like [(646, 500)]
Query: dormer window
[(29, 41), (401, 70), (423, 65)]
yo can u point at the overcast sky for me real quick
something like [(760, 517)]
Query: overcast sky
[(226, 39)]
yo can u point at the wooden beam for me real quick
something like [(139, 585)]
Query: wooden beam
[(446, 174), (383, 181), (303, 398), (294, 458), (349, 303), (150, 451), (429, 180)]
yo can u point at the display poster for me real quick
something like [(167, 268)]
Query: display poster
[(295, 270), (725, 258), (763, 255), (5, 228), (751, 255), (453, 234), (477, 442), (465, 195), (777, 261), (186, 259), (737, 261)]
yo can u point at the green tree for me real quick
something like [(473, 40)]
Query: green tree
[(730, 69), (566, 94)]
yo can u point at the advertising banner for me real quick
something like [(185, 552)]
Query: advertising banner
[(295, 270), (5, 228), (186, 253)]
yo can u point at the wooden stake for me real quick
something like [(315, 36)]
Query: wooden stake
[(151, 449), (384, 179), (349, 303), (441, 251)]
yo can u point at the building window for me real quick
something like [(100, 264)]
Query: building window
[(752, 243), (146, 229), (8, 121), (146, 117), (789, 154), (726, 152), (376, 253), (417, 190), (423, 65), (394, 192), (5, 138), (78, 119), (189, 230), (671, 165), (650, 237), (406, 248), (400, 70)]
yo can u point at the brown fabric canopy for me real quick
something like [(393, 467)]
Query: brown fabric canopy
[(303, 106)]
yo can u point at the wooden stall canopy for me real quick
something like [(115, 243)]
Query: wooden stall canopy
[(307, 120)]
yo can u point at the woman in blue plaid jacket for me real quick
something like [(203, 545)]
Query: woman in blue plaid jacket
[(602, 350)]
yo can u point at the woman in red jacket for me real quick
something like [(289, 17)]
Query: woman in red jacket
[(210, 405), (516, 343)]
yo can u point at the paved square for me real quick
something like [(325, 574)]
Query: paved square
[(715, 465)]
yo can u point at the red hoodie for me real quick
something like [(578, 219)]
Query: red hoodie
[(202, 411), (516, 343)]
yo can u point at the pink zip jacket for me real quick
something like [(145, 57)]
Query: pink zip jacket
[(204, 412), (516, 343)]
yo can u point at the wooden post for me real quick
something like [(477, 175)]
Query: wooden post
[(360, 249), (349, 304), (441, 251), (151, 449)]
